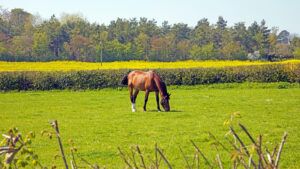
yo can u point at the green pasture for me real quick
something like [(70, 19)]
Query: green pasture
[(99, 121)]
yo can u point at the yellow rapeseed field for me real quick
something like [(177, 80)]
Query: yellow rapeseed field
[(74, 65)]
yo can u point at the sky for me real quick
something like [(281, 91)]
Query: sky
[(283, 14)]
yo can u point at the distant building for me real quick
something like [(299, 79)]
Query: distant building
[(283, 37)]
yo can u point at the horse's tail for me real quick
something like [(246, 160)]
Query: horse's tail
[(125, 80)]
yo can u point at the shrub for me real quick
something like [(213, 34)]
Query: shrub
[(97, 79)]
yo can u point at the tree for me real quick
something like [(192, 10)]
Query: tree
[(221, 23), (208, 51), (233, 50), (75, 24), (295, 42), (100, 43), (169, 47), (17, 19), (127, 51), (3, 44), (240, 35), (183, 48), (157, 48), (165, 28), (24, 36), (117, 50), (202, 53), (283, 51), (296, 53), (273, 41), (219, 32), (56, 35), (142, 43), (78, 48), (40, 45), (22, 47), (202, 34), (264, 35), (295, 47), (149, 27), (254, 37), (16, 29), (119, 30), (195, 52), (181, 31)]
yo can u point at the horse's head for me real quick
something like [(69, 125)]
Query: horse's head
[(165, 102)]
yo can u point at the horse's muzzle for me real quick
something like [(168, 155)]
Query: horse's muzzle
[(168, 109)]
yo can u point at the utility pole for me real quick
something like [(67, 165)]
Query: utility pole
[(101, 52)]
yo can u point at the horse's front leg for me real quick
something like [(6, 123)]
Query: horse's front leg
[(136, 92), (146, 99), (132, 100), (157, 100)]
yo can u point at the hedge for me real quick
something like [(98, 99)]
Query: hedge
[(97, 79)]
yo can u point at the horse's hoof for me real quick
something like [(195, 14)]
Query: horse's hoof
[(133, 110)]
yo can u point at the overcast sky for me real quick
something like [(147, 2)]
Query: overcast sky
[(284, 14)]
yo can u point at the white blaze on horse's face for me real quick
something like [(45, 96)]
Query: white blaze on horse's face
[(133, 107)]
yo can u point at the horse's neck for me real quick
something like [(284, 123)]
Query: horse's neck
[(162, 90)]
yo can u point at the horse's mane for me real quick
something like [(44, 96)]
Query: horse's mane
[(163, 88)]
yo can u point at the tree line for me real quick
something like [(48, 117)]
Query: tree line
[(28, 37)]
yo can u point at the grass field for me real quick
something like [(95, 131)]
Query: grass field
[(73, 65), (99, 121)]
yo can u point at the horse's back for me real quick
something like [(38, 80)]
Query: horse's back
[(139, 73), (142, 80)]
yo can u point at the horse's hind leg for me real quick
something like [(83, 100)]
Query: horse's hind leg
[(157, 100), (146, 99)]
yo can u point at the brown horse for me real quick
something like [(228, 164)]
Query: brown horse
[(148, 82)]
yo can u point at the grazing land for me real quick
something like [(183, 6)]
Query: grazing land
[(99, 121)]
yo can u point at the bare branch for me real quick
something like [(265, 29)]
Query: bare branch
[(200, 152), (156, 157), (197, 160), (54, 124), (185, 158), (274, 151), (89, 164), (123, 156), (243, 145), (133, 158), (164, 158), (219, 161), (141, 156), (222, 145), (280, 149)]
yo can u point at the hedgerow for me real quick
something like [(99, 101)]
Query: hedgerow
[(97, 79)]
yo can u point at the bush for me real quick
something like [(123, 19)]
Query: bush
[(97, 79)]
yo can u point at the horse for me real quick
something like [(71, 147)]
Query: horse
[(148, 82)]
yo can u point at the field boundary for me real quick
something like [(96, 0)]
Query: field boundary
[(98, 79)]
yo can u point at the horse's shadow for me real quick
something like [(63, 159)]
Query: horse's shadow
[(156, 111)]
